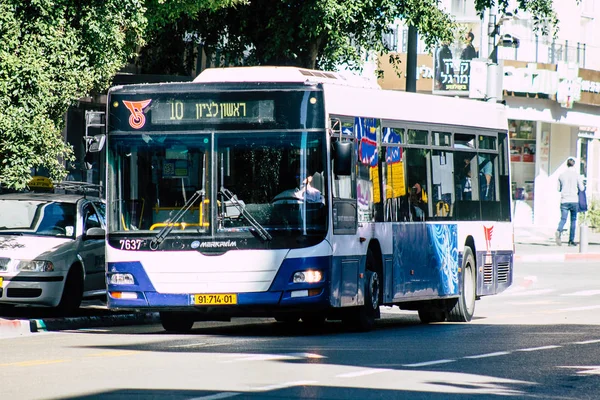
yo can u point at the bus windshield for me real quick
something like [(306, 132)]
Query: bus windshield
[(246, 183)]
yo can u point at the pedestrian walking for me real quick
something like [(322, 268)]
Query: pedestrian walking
[(569, 185)]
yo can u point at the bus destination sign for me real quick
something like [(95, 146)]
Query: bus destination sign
[(212, 111)]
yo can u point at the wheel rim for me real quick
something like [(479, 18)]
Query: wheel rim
[(374, 289), (469, 289)]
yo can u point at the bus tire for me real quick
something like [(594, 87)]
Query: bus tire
[(464, 307), (430, 316), (72, 294), (314, 321), (176, 322), (287, 319), (363, 318)]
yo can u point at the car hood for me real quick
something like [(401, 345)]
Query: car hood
[(29, 247)]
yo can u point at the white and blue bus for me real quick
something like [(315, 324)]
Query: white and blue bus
[(303, 195)]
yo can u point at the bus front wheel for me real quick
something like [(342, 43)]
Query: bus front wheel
[(363, 318), (176, 322), (464, 307)]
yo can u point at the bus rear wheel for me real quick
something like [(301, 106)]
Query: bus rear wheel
[(428, 316), (176, 322), (464, 307)]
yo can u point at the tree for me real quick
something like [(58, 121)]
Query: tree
[(53, 52), (172, 34), (307, 33)]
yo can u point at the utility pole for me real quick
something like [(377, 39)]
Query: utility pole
[(411, 60), (492, 64)]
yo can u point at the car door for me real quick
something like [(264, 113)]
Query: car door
[(92, 250)]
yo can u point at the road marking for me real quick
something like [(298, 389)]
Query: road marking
[(586, 370), (217, 396), (306, 355), (283, 386), (586, 308), (363, 372), (32, 363), (496, 354), (583, 293), (588, 342), (427, 363), (540, 348), (272, 357)]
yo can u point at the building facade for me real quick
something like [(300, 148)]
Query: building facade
[(551, 88)]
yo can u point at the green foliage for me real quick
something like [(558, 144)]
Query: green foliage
[(545, 19), (592, 216), (310, 33), (171, 37), (53, 52)]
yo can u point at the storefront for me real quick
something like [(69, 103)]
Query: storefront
[(552, 117)]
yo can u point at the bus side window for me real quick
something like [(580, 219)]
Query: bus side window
[(466, 207), (416, 177), (442, 180)]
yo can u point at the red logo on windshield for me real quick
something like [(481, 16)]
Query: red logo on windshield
[(137, 119)]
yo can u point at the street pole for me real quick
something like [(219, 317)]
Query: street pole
[(411, 60), (492, 65)]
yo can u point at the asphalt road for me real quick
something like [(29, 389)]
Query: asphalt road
[(539, 340)]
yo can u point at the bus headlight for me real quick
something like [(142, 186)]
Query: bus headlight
[(309, 276), (121, 279), (35, 266)]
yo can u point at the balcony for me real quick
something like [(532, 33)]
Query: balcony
[(552, 52)]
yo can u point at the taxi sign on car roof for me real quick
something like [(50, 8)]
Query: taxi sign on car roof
[(41, 183)]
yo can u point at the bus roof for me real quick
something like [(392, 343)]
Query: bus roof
[(415, 107), (352, 95), (283, 75)]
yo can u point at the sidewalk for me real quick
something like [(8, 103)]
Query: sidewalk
[(534, 244)]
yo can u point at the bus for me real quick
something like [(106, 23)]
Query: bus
[(303, 195)]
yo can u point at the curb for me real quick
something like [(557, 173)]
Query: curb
[(16, 327), (558, 257), (61, 324)]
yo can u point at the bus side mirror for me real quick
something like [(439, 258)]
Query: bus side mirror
[(93, 144), (342, 158)]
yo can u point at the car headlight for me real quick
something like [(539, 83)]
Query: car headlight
[(4, 263), (34, 266)]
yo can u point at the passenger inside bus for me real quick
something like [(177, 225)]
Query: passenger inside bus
[(418, 202), (310, 188)]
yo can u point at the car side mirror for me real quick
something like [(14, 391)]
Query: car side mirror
[(95, 233)]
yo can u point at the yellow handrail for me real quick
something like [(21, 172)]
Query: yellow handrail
[(201, 222)]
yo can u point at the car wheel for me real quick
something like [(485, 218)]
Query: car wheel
[(72, 292)]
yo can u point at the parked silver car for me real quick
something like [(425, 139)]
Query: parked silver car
[(51, 249)]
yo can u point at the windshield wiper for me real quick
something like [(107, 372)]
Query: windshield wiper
[(260, 230), (171, 222)]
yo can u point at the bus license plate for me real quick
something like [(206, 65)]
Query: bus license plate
[(217, 299)]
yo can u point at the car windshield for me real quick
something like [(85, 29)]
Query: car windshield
[(34, 217)]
